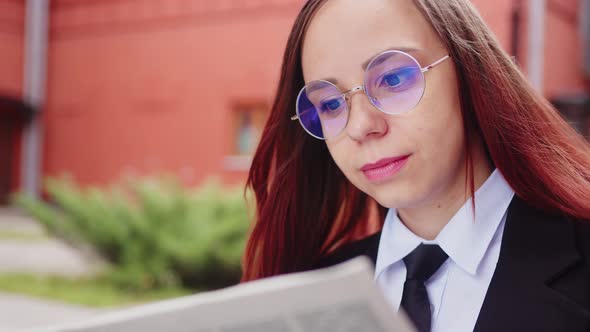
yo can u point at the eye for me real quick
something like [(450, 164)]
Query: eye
[(398, 79), (391, 80), (331, 107)]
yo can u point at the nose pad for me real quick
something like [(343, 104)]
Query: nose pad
[(363, 101), (360, 90), (372, 100), (364, 118)]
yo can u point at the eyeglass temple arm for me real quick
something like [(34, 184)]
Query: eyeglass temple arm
[(427, 68), (295, 117)]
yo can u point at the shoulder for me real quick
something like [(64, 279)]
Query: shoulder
[(550, 229), (367, 246), (582, 235)]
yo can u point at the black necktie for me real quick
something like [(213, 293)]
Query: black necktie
[(421, 264)]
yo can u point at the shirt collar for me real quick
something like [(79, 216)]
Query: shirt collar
[(464, 238)]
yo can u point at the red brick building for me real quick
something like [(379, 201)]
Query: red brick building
[(141, 86)]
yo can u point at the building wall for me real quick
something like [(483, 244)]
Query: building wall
[(11, 47), (138, 87), (497, 14), (563, 66), (563, 56), (11, 81), (563, 50)]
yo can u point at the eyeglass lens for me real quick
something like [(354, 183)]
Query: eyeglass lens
[(394, 83)]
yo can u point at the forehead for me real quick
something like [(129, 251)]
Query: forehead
[(344, 34)]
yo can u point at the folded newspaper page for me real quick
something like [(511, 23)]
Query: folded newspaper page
[(340, 298)]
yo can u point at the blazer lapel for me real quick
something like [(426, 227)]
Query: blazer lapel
[(537, 251)]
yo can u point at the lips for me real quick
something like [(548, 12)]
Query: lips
[(384, 169), (382, 163)]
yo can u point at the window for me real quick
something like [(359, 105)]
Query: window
[(248, 120)]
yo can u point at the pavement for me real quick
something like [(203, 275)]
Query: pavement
[(20, 313), (25, 247)]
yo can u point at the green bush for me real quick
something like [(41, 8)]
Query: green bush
[(154, 232)]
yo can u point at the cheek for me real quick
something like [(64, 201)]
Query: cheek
[(442, 147), (440, 142), (439, 125), (341, 150), (444, 133)]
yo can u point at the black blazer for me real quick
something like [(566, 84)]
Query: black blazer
[(542, 280)]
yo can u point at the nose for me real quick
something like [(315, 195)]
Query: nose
[(364, 120)]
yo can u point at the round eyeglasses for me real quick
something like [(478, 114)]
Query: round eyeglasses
[(394, 84)]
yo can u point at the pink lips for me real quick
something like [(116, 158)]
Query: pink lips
[(384, 168)]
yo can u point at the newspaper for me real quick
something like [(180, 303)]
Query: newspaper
[(340, 298)]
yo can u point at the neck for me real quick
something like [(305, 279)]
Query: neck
[(428, 219)]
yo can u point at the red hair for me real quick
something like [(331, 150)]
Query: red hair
[(305, 207)]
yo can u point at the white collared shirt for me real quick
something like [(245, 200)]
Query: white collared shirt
[(457, 290)]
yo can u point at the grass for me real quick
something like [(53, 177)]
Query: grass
[(23, 236), (87, 292)]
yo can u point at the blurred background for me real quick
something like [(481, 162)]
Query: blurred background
[(127, 129)]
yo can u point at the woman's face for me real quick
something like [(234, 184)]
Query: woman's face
[(342, 36)]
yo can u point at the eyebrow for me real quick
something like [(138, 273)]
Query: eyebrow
[(366, 63), (403, 49)]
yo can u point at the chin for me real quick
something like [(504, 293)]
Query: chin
[(390, 200), (395, 197)]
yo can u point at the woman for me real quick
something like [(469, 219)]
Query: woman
[(483, 190)]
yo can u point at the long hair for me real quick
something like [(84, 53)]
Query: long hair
[(305, 207)]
